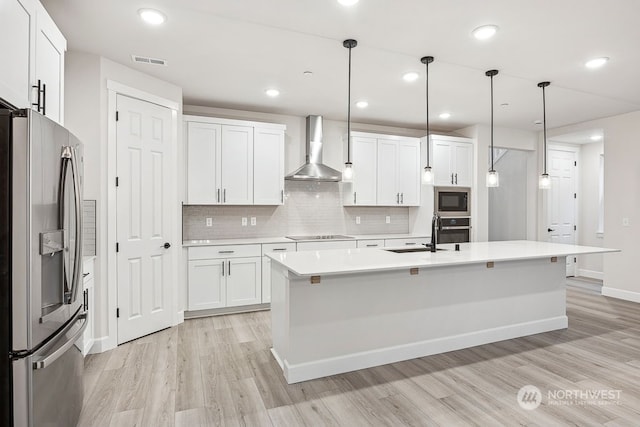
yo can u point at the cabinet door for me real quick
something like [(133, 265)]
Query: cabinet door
[(442, 162), (17, 20), (236, 166), (49, 66), (364, 156), (409, 172), (203, 158), (244, 285), (206, 284), (463, 170), (268, 167), (388, 193)]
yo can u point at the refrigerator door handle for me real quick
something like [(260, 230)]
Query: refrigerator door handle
[(69, 159), (52, 357)]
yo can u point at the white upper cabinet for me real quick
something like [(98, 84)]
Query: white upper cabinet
[(386, 171), (48, 81), (268, 166), (236, 165), (234, 162), (362, 189), (34, 52), (452, 161), (17, 18)]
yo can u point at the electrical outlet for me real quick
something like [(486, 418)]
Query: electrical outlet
[(387, 219), (244, 221), (357, 220), (209, 222), (625, 222), (253, 220)]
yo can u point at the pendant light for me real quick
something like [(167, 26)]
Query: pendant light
[(545, 180), (347, 175), (427, 175), (493, 179)]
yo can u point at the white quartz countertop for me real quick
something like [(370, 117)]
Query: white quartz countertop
[(282, 239), (345, 261)]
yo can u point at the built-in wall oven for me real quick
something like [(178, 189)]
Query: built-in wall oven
[(452, 201), (454, 230)]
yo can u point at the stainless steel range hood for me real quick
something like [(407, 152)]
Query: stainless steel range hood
[(313, 169)]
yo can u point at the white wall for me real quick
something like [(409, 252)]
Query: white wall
[(504, 138), (86, 116), (589, 167), (622, 200), (508, 202)]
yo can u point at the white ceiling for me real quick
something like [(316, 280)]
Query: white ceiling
[(225, 53)]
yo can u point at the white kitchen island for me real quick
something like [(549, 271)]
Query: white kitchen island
[(336, 311)]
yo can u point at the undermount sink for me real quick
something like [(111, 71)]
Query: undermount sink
[(421, 249)]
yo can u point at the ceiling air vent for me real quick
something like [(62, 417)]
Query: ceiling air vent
[(146, 60)]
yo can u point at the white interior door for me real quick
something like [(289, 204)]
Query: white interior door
[(561, 201), (145, 199)]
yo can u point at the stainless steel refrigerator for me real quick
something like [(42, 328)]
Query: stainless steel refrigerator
[(42, 312)]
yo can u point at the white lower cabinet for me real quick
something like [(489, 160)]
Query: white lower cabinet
[(371, 243), (412, 241), (85, 342), (266, 265), (224, 276)]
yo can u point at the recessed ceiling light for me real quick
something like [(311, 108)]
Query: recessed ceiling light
[(272, 92), (152, 16), (596, 62), (348, 2), (362, 104), (595, 137), (485, 32), (411, 76), (445, 116)]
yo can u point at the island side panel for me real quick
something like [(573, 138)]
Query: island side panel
[(354, 321), (279, 312)]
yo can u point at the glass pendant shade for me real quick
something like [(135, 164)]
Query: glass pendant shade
[(545, 182), (347, 173), (427, 175), (493, 180)]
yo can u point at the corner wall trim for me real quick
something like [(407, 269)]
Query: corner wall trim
[(621, 294)]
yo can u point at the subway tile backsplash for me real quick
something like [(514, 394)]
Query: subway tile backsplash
[(309, 208)]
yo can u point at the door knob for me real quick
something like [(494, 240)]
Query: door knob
[(167, 245), (550, 230)]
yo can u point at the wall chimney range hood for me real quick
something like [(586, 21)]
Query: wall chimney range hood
[(313, 169)]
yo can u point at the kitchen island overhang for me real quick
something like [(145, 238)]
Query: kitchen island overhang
[(342, 310)]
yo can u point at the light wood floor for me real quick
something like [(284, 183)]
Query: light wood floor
[(219, 371)]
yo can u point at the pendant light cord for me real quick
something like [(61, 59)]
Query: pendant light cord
[(544, 128), (492, 123), (349, 112), (427, 101)]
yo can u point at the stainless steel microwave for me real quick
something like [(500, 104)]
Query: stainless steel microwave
[(452, 201)]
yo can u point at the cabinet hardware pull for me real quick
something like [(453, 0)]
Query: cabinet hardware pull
[(279, 249), (86, 299), (409, 243), (456, 179), (229, 270), (218, 195), (44, 99), (224, 195), (452, 178), (372, 246), (397, 198), (282, 196), (223, 268), (402, 198), (39, 91), (226, 252), (354, 198)]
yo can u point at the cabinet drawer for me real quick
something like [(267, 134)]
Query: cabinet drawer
[(224, 251), (377, 243), (321, 246), (414, 241), (278, 247)]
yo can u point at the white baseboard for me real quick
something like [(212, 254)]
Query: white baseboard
[(102, 344), (621, 294), (336, 365), (592, 274)]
